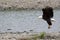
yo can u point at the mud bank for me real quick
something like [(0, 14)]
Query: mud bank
[(27, 4)]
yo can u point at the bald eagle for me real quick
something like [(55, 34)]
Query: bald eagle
[(47, 15)]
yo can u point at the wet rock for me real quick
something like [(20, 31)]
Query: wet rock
[(9, 29), (30, 30)]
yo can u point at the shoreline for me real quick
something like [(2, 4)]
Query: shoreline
[(29, 36), (28, 4), (5, 9)]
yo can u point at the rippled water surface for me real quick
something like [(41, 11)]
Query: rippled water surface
[(25, 20)]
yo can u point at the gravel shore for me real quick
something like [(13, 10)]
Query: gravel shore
[(29, 36), (28, 4)]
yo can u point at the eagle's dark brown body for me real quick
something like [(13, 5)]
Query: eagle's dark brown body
[(47, 14)]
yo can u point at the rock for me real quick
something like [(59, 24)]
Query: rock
[(9, 29)]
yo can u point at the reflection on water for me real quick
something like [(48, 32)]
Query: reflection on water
[(26, 20)]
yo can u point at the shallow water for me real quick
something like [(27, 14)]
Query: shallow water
[(25, 20)]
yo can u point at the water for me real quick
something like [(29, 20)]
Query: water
[(25, 20)]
